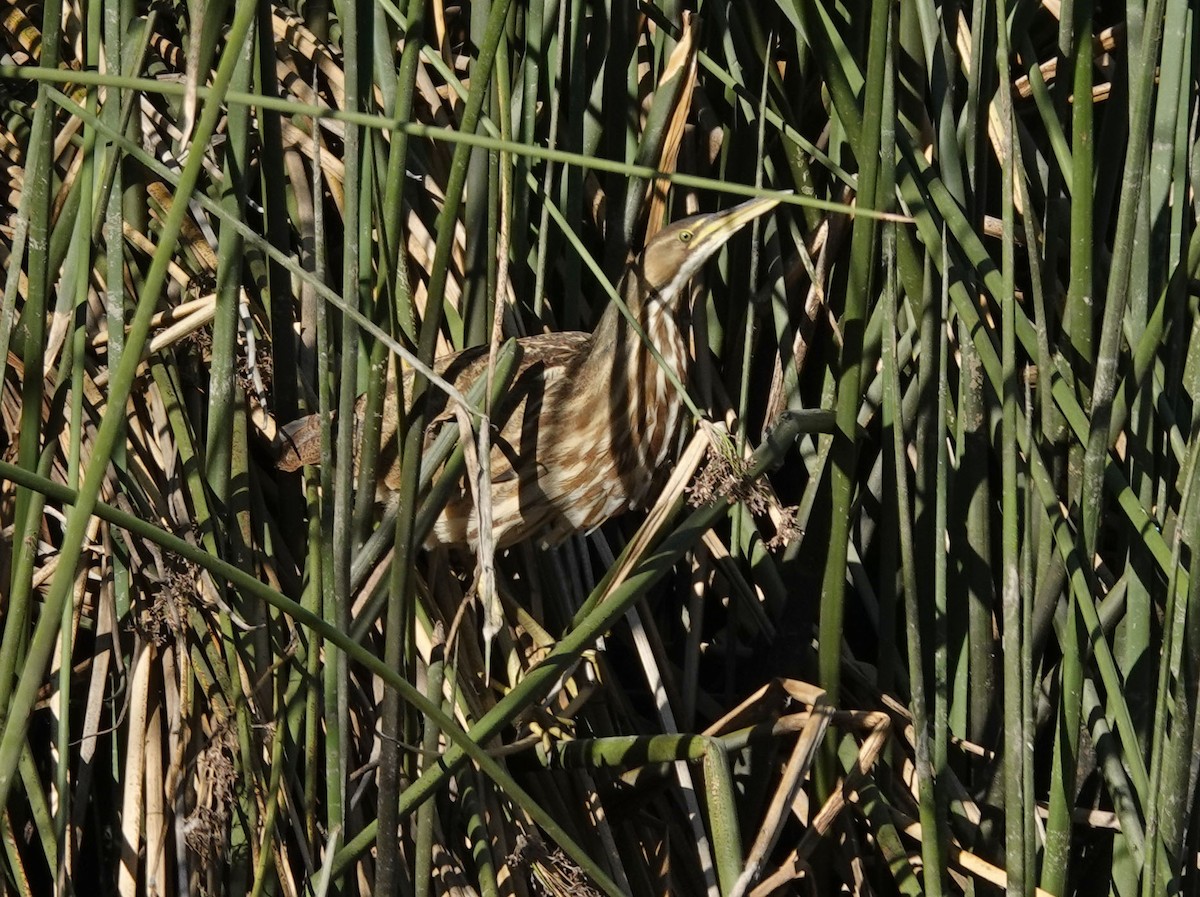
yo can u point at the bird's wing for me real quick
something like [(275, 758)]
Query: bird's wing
[(546, 350), (544, 357)]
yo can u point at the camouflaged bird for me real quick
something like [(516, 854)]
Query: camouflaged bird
[(590, 419)]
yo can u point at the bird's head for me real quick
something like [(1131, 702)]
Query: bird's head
[(679, 250)]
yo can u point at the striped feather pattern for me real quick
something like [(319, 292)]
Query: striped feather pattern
[(588, 424)]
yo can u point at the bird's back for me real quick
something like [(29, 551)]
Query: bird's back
[(538, 449)]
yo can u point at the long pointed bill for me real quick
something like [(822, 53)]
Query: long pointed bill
[(723, 225)]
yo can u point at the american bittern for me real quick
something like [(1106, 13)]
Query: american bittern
[(590, 418)]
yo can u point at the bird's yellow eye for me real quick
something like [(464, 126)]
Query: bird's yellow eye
[(685, 236)]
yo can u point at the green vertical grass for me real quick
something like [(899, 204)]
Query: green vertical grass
[(994, 544)]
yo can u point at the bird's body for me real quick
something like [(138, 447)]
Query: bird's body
[(590, 419), (579, 442)]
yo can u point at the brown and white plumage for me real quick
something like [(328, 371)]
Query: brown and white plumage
[(589, 420)]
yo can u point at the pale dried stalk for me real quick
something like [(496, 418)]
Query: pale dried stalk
[(135, 768)]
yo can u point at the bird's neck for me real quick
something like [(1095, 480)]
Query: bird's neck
[(622, 381), (616, 345)]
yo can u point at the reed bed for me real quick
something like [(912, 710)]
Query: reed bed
[(912, 613)]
